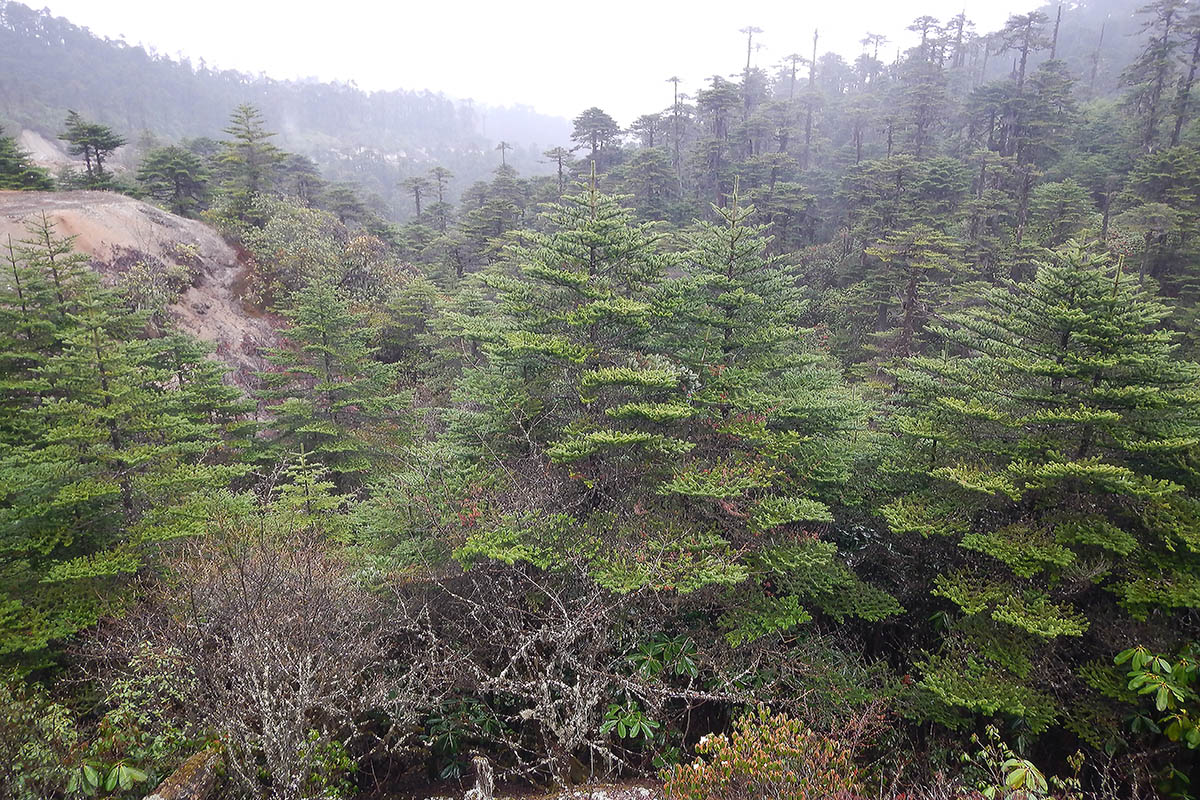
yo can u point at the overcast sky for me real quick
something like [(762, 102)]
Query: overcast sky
[(557, 57)]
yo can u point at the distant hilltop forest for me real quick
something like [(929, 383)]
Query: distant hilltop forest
[(49, 65)]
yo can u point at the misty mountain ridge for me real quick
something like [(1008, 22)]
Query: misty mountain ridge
[(49, 65)]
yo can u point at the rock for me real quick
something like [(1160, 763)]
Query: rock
[(117, 231), (194, 780)]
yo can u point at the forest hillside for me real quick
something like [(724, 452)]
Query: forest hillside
[(829, 432), (49, 66)]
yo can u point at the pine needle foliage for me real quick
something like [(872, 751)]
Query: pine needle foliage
[(683, 418), (110, 438), (1061, 422)]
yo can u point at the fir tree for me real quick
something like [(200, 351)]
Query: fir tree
[(576, 405), (783, 418), (1150, 74), (105, 453), (677, 423), (331, 401), (597, 131), (65, 270), (17, 170), (912, 264), (176, 178), (248, 160), (93, 141), (1056, 431), (418, 185)]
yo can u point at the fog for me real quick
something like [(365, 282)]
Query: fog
[(558, 58)]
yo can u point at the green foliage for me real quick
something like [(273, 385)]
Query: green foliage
[(331, 400), (454, 728), (294, 245), (93, 141), (629, 722), (665, 656), (113, 437), (772, 512), (1001, 773), (597, 131), (615, 374), (175, 177), (37, 739), (762, 616), (17, 170), (330, 769), (1172, 684), (248, 164), (643, 424), (1062, 417)]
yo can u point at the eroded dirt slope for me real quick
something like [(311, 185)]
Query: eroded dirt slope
[(116, 231)]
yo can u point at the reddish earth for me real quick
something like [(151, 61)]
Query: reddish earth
[(116, 230)]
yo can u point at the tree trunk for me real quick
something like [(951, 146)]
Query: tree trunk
[(194, 780), (1160, 80), (1146, 241), (908, 327), (1183, 96)]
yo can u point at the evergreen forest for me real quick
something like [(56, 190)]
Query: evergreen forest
[(831, 432)]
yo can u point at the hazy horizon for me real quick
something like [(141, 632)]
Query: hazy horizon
[(499, 58)]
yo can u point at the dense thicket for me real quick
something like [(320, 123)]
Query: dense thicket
[(838, 426)]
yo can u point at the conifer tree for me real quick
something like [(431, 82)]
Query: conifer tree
[(680, 426), (299, 177), (44, 281), (248, 159), (1055, 430), (17, 170), (1023, 33), (104, 452), (330, 400), (441, 210), (711, 157), (27, 333), (418, 185), (65, 270), (784, 419), (647, 180), (93, 141), (498, 207), (203, 393), (1058, 211), (1150, 74), (175, 177), (911, 263), (576, 406), (597, 131)]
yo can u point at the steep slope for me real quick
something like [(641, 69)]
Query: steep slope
[(118, 231)]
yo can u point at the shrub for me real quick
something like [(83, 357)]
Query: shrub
[(276, 647), (773, 757), (37, 737)]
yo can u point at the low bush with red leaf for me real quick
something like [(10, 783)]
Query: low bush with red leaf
[(773, 757)]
